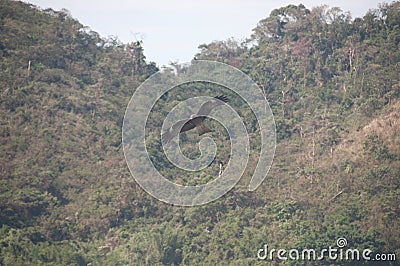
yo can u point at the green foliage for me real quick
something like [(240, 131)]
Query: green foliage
[(66, 195), (282, 211)]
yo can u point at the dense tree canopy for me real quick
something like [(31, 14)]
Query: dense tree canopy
[(67, 197)]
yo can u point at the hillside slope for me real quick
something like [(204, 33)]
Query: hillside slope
[(66, 194)]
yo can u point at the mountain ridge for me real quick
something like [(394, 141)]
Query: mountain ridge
[(67, 196)]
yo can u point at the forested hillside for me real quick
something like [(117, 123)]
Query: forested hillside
[(66, 194)]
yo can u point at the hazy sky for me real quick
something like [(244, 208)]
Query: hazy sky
[(172, 30)]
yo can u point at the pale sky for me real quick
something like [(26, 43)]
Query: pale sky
[(172, 30)]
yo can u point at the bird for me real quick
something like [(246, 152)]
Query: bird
[(195, 120)]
